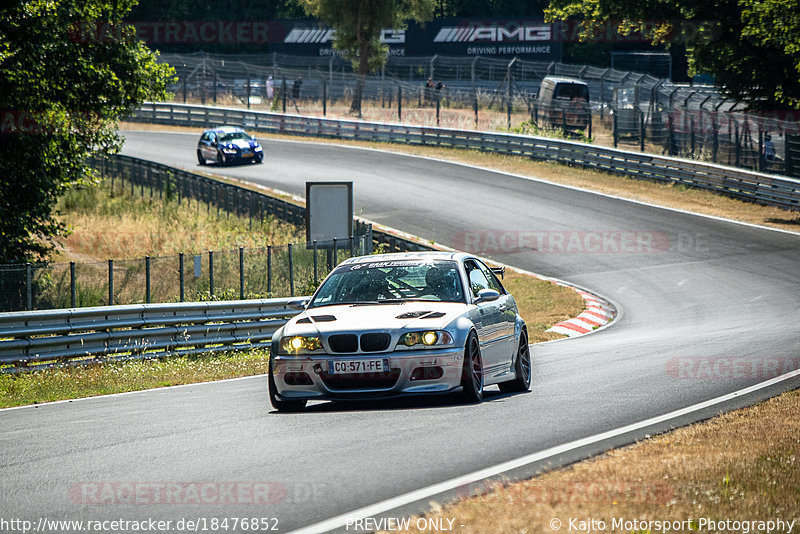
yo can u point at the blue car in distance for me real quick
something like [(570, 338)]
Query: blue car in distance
[(228, 144)]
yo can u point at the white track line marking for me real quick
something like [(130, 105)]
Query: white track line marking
[(424, 493)]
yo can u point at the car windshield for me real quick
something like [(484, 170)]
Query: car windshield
[(233, 136), (391, 281), (572, 91)]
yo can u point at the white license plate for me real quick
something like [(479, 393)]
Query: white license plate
[(338, 367)]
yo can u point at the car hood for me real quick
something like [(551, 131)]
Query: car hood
[(381, 317), (242, 143)]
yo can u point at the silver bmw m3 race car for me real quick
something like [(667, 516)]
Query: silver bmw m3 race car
[(390, 325)]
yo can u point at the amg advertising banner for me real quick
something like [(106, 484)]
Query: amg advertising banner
[(532, 39)]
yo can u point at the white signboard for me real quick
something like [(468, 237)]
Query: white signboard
[(329, 211)]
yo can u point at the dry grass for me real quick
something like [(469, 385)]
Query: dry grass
[(668, 195), (542, 304), (741, 466), (114, 224)]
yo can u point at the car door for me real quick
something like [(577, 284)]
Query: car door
[(210, 146), (507, 316), (487, 320)]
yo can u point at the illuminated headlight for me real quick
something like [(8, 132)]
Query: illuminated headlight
[(257, 149), (301, 345), (228, 150), (425, 339)]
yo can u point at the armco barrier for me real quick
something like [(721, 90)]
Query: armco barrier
[(39, 339), (752, 186)]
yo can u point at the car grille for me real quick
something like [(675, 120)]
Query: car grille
[(342, 343), (375, 342), (361, 381), (370, 342)]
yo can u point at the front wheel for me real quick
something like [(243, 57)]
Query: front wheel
[(280, 404), (522, 368), (472, 371), (200, 159), (220, 159)]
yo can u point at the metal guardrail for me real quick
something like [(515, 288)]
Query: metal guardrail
[(747, 185), (41, 339)]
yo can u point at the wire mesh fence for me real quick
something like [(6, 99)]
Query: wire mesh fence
[(625, 108)]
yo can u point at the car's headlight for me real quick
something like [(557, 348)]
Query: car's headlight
[(301, 345), (257, 148), (425, 339)]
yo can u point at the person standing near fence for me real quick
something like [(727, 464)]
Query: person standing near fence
[(270, 89), (296, 86), (769, 148)]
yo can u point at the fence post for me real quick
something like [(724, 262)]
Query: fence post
[(475, 106), (335, 259), (211, 273), (283, 95), (241, 273), (670, 135), (269, 269), (110, 282), (641, 130), (736, 139), (788, 157), (691, 134), (291, 271), (399, 103), (590, 124), (324, 98), (28, 288), (248, 90), (180, 268), (438, 95), (147, 279), (316, 275), (351, 247), (72, 296), (614, 130)]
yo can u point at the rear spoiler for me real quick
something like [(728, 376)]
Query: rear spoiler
[(500, 271)]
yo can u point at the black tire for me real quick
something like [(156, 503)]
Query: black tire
[(280, 404), (220, 159), (472, 370), (200, 159), (522, 368)]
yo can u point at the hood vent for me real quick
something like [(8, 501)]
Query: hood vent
[(323, 318), (420, 315)]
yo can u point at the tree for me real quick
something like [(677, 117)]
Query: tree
[(358, 25), (69, 69), (734, 40)]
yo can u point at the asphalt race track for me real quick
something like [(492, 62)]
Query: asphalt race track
[(707, 307)]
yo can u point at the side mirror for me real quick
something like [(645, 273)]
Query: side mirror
[(487, 295), (298, 304)]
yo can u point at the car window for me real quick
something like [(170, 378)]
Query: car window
[(234, 136), (477, 280), (494, 283), (392, 281)]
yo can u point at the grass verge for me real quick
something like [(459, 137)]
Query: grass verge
[(119, 377), (112, 223), (740, 466)]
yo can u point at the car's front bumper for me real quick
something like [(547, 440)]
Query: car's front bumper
[(412, 372)]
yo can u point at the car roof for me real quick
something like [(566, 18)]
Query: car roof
[(400, 256), (561, 79), (225, 129)]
